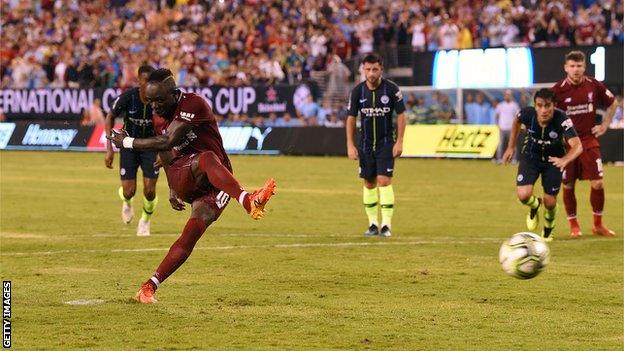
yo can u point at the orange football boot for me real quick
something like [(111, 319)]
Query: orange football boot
[(260, 197), (146, 294)]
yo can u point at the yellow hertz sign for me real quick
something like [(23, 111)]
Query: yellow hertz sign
[(470, 141)]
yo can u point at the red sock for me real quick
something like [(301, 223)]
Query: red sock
[(179, 251), (597, 199), (221, 177), (569, 202)]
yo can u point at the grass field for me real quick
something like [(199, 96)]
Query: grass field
[(304, 278)]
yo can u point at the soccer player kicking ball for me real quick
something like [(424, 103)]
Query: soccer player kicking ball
[(198, 169), (375, 101), (543, 154), (578, 96)]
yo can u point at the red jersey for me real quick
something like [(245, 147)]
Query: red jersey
[(204, 135), (579, 102)]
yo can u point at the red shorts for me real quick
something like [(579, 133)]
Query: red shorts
[(190, 189), (587, 166)]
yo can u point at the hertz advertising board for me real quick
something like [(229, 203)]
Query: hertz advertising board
[(460, 141)]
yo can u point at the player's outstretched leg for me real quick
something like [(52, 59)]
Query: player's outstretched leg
[(569, 202), (597, 199), (201, 217), (221, 178)]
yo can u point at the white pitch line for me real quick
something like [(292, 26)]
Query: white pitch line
[(274, 246)]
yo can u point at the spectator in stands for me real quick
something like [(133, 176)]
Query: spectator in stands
[(288, 121), (333, 121), (478, 111), (506, 112), (441, 111), (410, 103), (421, 112), (271, 121), (417, 30), (338, 85), (93, 115), (448, 34), (464, 38), (310, 110)]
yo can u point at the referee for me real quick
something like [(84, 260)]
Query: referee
[(375, 101)]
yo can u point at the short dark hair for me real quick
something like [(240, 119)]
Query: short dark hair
[(576, 56), (372, 58), (146, 69), (545, 94), (160, 75)]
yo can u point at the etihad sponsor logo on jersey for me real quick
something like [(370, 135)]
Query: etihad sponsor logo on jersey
[(141, 122), (540, 141), (579, 109), (35, 135), (375, 111)]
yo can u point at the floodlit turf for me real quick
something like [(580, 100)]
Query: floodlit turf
[(304, 278)]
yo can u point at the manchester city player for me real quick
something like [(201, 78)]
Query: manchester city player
[(375, 101)]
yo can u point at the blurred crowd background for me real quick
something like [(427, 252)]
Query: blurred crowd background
[(98, 44)]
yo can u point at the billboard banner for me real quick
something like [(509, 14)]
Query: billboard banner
[(439, 141), (69, 104), (462, 141), (50, 135)]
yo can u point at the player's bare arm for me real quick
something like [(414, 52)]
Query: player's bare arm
[(108, 126), (397, 150), (175, 132), (600, 129), (511, 145), (351, 149), (576, 148)]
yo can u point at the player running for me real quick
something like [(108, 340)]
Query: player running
[(578, 96), (375, 101), (137, 117), (198, 169), (543, 154)]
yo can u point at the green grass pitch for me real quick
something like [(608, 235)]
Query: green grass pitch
[(303, 278)]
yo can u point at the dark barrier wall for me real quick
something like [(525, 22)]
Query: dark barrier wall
[(68, 104), (23, 135), (547, 64)]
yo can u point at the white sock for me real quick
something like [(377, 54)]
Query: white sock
[(241, 197), (155, 281)]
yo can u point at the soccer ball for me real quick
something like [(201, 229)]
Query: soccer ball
[(524, 255)]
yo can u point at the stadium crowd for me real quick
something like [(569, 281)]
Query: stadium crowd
[(91, 44), (70, 43)]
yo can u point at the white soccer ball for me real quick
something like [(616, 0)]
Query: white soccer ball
[(524, 255)]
